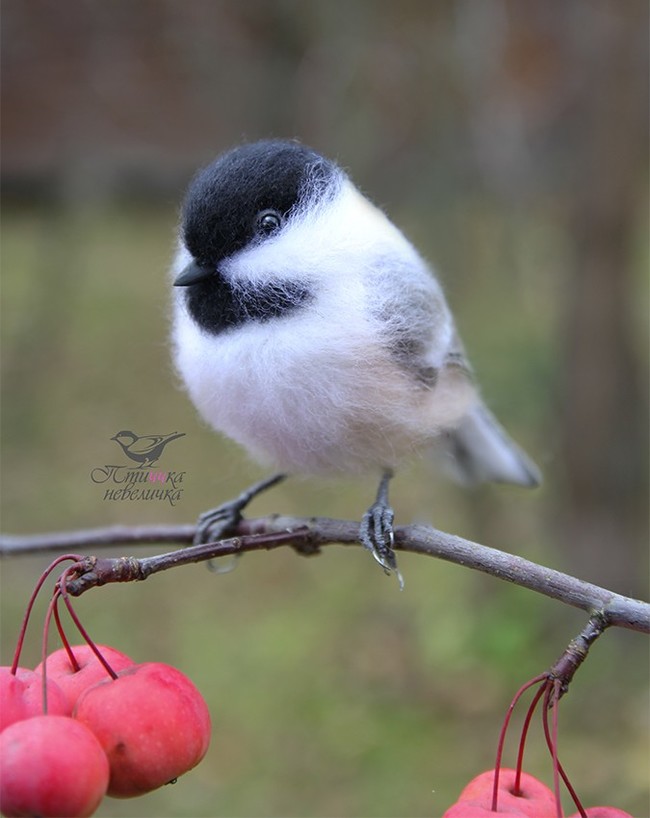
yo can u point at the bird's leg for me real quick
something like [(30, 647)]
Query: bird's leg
[(376, 531), (213, 524)]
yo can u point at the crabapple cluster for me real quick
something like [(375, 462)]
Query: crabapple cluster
[(88, 722), (515, 792), (530, 799)]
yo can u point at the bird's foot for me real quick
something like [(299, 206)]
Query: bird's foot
[(212, 525), (376, 534), (376, 531), (215, 523)]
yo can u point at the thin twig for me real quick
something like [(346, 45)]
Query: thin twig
[(307, 535)]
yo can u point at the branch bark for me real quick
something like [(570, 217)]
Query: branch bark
[(307, 536)]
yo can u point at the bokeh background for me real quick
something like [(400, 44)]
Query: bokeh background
[(509, 140)]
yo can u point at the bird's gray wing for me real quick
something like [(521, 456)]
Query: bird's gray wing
[(478, 449)]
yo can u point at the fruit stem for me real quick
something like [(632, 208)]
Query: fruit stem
[(46, 631), (551, 699), (30, 605), (553, 750), (64, 641), (502, 735), (524, 733), (68, 603)]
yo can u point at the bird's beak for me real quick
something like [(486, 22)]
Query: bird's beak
[(192, 274)]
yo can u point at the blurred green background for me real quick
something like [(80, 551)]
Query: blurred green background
[(509, 140)]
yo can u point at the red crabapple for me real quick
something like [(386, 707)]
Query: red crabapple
[(603, 812), (535, 799), (21, 696), (467, 809), (73, 682), (152, 723), (51, 766)]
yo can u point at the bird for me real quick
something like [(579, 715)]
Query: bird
[(308, 329), (145, 449)]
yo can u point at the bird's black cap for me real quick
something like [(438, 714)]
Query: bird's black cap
[(226, 201)]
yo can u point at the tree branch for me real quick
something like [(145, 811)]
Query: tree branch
[(307, 535)]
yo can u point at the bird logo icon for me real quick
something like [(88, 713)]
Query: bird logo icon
[(144, 449)]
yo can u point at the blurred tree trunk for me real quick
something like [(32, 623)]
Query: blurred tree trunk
[(604, 394), (558, 102)]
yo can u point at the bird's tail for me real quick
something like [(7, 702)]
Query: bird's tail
[(479, 450)]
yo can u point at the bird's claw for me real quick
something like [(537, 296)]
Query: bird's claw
[(216, 522), (213, 524), (376, 534)]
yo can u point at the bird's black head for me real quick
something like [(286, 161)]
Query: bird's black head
[(242, 199), (247, 194)]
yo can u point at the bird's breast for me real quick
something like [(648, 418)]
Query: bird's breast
[(307, 396)]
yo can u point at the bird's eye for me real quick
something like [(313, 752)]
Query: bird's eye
[(268, 221)]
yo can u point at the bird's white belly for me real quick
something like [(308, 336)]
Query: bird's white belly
[(308, 400)]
